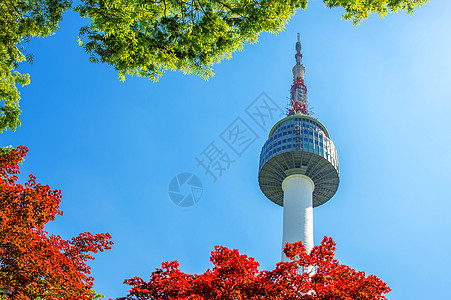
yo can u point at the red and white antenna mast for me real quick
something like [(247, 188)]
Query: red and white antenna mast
[(298, 93)]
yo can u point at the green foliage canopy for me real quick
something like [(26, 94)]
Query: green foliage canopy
[(146, 37), (21, 20), (358, 10)]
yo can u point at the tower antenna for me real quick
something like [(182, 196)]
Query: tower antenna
[(298, 92)]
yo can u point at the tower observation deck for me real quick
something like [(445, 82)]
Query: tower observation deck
[(298, 163)]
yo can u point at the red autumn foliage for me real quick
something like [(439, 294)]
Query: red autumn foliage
[(34, 264), (235, 276)]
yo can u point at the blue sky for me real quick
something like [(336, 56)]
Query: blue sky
[(381, 89)]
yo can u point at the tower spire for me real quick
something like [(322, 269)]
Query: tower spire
[(298, 91)]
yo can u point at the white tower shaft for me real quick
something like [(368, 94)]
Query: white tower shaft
[(297, 211)]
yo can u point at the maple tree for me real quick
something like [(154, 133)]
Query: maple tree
[(33, 263), (236, 276)]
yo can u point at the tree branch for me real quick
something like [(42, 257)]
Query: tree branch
[(231, 9)]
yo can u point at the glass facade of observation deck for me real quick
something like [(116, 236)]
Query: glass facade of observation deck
[(299, 134)]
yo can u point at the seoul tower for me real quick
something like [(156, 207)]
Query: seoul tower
[(298, 164)]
